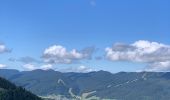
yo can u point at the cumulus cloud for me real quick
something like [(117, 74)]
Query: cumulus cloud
[(80, 69), (29, 67), (2, 66), (59, 54), (46, 67), (144, 51), (158, 66), (4, 49)]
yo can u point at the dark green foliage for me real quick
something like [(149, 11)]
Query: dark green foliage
[(9, 91)]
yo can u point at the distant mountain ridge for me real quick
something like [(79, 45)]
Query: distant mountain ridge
[(102, 84)]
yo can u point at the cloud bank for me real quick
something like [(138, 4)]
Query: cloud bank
[(2, 66), (29, 67), (46, 67), (59, 54), (156, 55), (80, 69)]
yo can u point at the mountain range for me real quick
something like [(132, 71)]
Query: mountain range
[(93, 85)]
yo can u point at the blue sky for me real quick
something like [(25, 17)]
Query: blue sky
[(28, 27)]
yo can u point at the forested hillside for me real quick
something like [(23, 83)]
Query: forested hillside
[(9, 91)]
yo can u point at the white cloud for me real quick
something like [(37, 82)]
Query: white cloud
[(46, 67), (80, 69), (29, 67), (158, 66), (140, 51), (59, 54), (2, 66), (3, 48)]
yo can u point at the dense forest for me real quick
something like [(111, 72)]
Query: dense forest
[(9, 91)]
